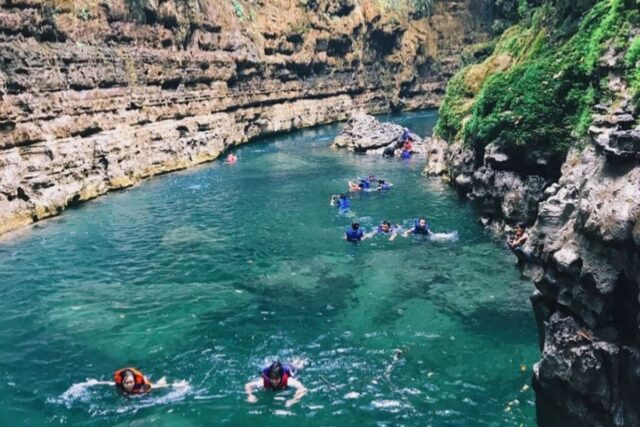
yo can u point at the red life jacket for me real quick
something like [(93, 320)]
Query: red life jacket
[(283, 382), (141, 384)]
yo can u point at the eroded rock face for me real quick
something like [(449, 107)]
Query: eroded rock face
[(96, 96), (587, 273), (365, 134), (501, 192)]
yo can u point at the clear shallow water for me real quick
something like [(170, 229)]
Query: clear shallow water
[(205, 275)]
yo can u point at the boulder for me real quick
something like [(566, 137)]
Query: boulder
[(363, 133)]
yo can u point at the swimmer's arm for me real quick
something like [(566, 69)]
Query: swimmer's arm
[(369, 235), (249, 387), (301, 390)]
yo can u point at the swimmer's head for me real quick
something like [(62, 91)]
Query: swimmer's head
[(355, 226), (521, 226), (422, 222), (275, 373), (342, 196), (128, 381), (381, 181), (386, 226)]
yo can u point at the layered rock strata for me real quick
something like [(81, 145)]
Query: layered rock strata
[(98, 95)]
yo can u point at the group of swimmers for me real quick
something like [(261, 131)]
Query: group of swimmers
[(275, 377), (403, 148), (356, 234)]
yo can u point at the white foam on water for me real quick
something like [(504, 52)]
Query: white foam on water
[(352, 395), (386, 404), (282, 413), (79, 392), (298, 363), (444, 237)]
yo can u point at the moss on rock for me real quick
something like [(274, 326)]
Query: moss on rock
[(536, 91)]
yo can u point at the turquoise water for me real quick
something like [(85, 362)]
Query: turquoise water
[(206, 275)]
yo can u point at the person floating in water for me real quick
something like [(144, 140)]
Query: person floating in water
[(276, 377), (341, 201), (130, 381), (354, 233), (420, 227), (383, 185), (386, 229), (231, 159), (364, 184)]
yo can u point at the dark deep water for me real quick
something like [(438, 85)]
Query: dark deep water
[(205, 275)]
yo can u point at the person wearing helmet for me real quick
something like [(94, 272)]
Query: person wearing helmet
[(276, 377)]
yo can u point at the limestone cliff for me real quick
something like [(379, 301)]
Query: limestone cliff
[(99, 94), (546, 130)]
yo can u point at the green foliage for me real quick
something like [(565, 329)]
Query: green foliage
[(84, 13), (454, 108), (543, 100), (238, 9), (632, 62)]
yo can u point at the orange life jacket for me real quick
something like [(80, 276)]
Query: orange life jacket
[(141, 384)]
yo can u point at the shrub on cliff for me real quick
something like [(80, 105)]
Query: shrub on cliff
[(541, 101)]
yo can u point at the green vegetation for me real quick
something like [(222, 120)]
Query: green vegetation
[(632, 61), (537, 89), (238, 9)]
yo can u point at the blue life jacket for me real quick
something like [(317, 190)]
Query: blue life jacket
[(384, 186), (354, 235), (418, 230), (344, 204), (365, 183), (406, 154)]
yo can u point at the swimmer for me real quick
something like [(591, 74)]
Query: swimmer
[(408, 145), (421, 227), (276, 377), (383, 185), (231, 159), (354, 233), (130, 381), (364, 184), (385, 228), (341, 201), (354, 186)]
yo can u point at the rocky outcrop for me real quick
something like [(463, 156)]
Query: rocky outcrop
[(587, 275), (365, 134), (583, 253), (96, 96), (493, 180)]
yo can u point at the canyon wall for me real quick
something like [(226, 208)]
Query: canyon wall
[(546, 131), (97, 95)]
